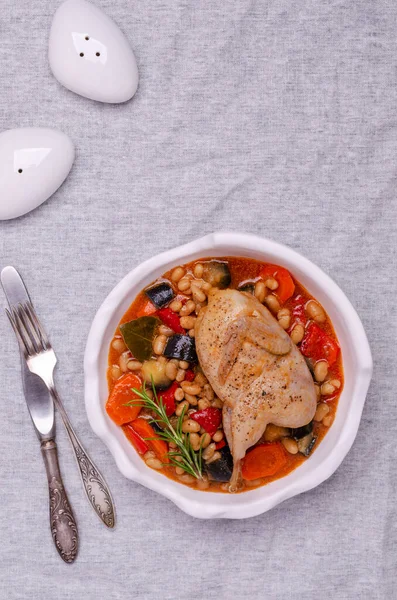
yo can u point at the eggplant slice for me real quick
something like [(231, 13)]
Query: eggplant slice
[(301, 432), (306, 444), (182, 347), (248, 288), (217, 273), (305, 438), (221, 470), (160, 294)]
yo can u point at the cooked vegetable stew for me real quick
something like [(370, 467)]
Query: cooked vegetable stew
[(160, 395)]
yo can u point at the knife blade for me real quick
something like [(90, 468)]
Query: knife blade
[(38, 400)]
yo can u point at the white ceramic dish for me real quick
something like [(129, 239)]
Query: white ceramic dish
[(328, 456)]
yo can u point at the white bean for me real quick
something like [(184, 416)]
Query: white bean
[(271, 283), (315, 311), (134, 365), (123, 361), (216, 456), (182, 407), (191, 399), (190, 426), (198, 294), (118, 345), (180, 376), (164, 330), (321, 412), (260, 291), (188, 308), (209, 452), (177, 274), (159, 344), (184, 285), (179, 394), (320, 370), (284, 318), (198, 270), (115, 372), (272, 303), (327, 389), (290, 445), (297, 333), (176, 305), (188, 322), (191, 388), (171, 370), (154, 463)]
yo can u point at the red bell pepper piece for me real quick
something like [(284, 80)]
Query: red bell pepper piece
[(220, 444), (209, 418), (168, 398), (189, 375), (170, 319), (146, 432), (139, 444), (318, 345)]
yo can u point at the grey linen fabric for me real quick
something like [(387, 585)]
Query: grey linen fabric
[(272, 117)]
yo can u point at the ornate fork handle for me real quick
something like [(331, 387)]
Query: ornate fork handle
[(62, 522), (94, 484)]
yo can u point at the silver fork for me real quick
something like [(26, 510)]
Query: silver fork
[(41, 360)]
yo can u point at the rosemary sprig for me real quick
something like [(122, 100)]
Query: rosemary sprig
[(184, 456)]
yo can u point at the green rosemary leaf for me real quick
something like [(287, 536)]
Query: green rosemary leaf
[(188, 460)]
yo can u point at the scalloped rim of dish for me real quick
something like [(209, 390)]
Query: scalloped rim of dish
[(333, 448)]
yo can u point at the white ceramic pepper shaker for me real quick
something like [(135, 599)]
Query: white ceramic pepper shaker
[(34, 162), (89, 54)]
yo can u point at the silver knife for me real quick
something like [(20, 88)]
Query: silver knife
[(41, 408)]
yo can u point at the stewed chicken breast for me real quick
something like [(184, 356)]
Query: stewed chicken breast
[(254, 368)]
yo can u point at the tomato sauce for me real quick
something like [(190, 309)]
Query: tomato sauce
[(246, 271)]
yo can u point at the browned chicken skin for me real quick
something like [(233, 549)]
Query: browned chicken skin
[(254, 368)]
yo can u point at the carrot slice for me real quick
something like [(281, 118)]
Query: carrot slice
[(120, 395), (286, 286), (148, 434), (146, 309), (264, 460)]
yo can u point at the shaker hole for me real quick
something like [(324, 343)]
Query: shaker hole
[(19, 170), (87, 37), (81, 53), (97, 54)]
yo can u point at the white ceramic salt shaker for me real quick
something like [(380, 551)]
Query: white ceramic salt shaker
[(34, 162), (89, 54)]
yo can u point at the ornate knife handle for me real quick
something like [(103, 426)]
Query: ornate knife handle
[(62, 521)]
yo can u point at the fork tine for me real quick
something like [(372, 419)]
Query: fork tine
[(16, 331), (38, 326), (23, 332), (29, 328), (34, 329)]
